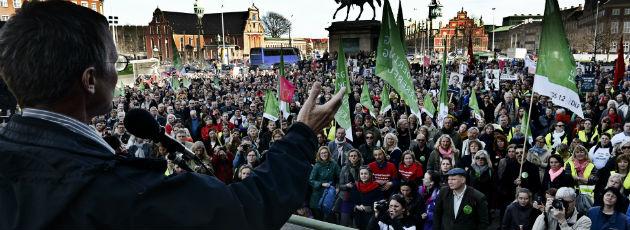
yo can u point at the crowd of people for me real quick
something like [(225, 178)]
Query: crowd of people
[(402, 171)]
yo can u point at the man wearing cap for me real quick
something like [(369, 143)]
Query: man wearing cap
[(459, 206)]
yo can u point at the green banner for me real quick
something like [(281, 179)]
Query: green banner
[(366, 100), (272, 111), (391, 61), (343, 114), (474, 105), (429, 108), (443, 102), (385, 105)]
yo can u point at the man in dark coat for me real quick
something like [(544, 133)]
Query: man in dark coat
[(57, 173), (460, 207)]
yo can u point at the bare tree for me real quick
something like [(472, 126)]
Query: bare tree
[(275, 24)]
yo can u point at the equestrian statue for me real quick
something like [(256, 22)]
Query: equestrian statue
[(348, 4)]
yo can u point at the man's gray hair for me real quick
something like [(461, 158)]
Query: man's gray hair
[(565, 192)]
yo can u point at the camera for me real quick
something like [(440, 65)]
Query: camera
[(558, 204), (381, 206)]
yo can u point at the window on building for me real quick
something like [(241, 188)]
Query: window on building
[(181, 43), (614, 27), (94, 7), (616, 11), (626, 27), (4, 18), (190, 41), (17, 3), (626, 11), (626, 47), (4, 3)]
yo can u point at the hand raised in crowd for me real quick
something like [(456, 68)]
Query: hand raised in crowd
[(317, 117)]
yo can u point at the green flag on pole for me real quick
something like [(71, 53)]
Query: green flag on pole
[(177, 60), (175, 83), (366, 100), (474, 105), (391, 61), (271, 106), (443, 102), (555, 70), (400, 20), (343, 114), (187, 82), (385, 105), (429, 108)]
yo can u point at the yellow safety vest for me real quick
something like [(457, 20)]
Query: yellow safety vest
[(587, 171), (626, 181), (582, 136), (548, 140)]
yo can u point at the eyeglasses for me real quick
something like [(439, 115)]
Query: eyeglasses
[(421, 140), (480, 158), (625, 147), (559, 125), (369, 137)]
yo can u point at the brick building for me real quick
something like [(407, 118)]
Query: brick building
[(243, 30), (8, 7), (457, 31)]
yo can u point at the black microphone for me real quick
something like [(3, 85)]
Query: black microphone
[(142, 124)]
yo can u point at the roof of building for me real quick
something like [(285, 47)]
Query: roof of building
[(186, 23), (617, 3)]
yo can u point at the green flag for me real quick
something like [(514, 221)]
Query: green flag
[(187, 82), (555, 70), (343, 114), (401, 24), (119, 91), (177, 60), (429, 108), (443, 102), (366, 100), (175, 83), (474, 105), (271, 106), (385, 105), (391, 61)]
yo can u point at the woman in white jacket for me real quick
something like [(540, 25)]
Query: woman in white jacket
[(601, 152)]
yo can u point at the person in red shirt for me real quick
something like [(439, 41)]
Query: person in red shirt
[(384, 172), (410, 170)]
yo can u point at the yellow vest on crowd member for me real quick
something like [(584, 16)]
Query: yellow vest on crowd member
[(330, 131), (510, 134), (584, 139), (548, 139), (626, 181), (587, 171)]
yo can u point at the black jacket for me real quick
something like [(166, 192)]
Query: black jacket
[(51, 178), (472, 214)]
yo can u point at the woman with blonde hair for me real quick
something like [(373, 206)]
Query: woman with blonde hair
[(582, 169), (391, 147), (199, 149), (444, 148)]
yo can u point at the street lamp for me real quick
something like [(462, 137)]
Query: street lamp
[(224, 58), (595, 42), (290, 39), (435, 11), (493, 28), (199, 12)]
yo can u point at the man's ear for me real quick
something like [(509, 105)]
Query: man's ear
[(88, 80)]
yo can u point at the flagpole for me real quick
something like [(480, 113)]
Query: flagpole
[(531, 104)]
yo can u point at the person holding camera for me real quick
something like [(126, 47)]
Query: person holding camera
[(561, 213), (459, 206), (392, 215)]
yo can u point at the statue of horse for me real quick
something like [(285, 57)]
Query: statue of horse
[(360, 3)]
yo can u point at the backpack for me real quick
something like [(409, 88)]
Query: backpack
[(327, 202)]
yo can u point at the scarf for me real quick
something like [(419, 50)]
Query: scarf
[(580, 166), (555, 174), (479, 170), (557, 138), (446, 153), (367, 187), (538, 150)]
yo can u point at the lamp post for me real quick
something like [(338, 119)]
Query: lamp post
[(290, 39), (595, 41), (199, 12), (435, 10), (225, 56), (493, 28)]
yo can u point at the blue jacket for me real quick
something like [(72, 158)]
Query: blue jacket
[(52, 178), (598, 220)]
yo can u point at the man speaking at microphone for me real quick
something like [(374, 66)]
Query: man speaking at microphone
[(58, 59)]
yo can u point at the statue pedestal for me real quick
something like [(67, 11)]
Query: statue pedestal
[(354, 35)]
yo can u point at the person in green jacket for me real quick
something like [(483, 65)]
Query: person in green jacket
[(324, 174)]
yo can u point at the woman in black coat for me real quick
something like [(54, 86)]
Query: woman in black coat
[(556, 176)]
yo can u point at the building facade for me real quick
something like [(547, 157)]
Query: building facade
[(8, 7), (456, 33), (242, 31)]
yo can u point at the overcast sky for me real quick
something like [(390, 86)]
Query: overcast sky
[(311, 17)]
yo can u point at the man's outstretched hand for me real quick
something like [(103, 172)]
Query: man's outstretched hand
[(316, 116)]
